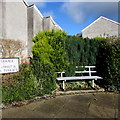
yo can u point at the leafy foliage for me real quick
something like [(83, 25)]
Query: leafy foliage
[(81, 52), (54, 51), (48, 58), (22, 86), (108, 63), (50, 45)]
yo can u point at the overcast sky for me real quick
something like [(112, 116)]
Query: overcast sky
[(75, 16)]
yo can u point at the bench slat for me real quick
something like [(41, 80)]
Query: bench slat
[(85, 71), (86, 66), (78, 78), (73, 78)]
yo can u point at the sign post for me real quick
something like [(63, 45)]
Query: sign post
[(9, 65)]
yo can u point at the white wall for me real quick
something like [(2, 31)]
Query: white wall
[(15, 22), (37, 21), (18, 21), (101, 27), (35, 24), (1, 15)]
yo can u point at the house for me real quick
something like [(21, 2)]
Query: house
[(79, 35), (20, 21), (102, 27)]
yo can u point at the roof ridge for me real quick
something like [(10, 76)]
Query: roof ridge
[(100, 18), (110, 20), (25, 2)]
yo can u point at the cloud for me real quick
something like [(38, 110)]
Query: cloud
[(80, 11), (74, 11)]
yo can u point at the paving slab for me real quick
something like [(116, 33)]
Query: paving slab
[(84, 105)]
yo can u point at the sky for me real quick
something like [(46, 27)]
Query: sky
[(72, 17)]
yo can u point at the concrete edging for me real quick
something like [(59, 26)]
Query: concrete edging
[(78, 92)]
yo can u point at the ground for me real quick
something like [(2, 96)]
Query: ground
[(84, 105)]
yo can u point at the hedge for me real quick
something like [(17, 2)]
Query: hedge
[(54, 51)]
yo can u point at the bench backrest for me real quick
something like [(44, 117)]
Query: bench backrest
[(61, 73), (87, 69)]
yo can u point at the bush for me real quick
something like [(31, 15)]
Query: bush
[(18, 92), (108, 63), (50, 46), (80, 52), (22, 88), (54, 51), (104, 53), (45, 77), (48, 58)]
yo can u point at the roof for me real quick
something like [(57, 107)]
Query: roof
[(101, 17), (25, 3), (33, 5), (56, 25), (51, 19)]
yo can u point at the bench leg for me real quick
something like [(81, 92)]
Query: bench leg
[(93, 83), (63, 85)]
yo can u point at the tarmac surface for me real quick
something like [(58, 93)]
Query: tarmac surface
[(83, 105)]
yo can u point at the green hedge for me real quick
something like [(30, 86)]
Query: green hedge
[(80, 52), (20, 87), (104, 53), (108, 62), (54, 51)]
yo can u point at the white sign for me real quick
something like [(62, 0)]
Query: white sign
[(9, 65)]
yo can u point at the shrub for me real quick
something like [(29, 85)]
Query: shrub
[(45, 77), (22, 86), (102, 52), (80, 52), (50, 46), (48, 58), (108, 63), (54, 51), (18, 92)]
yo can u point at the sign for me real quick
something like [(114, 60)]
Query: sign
[(9, 65)]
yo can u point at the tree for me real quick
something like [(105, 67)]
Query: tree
[(50, 45), (11, 48), (48, 58)]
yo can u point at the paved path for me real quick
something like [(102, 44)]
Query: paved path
[(87, 105)]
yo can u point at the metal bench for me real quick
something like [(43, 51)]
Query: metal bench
[(77, 78)]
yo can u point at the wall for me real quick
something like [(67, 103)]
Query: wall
[(1, 15), (37, 21), (50, 24), (35, 24), (30, 29), (2, 19), (46, 23), (14, 22), (101, 27), (19, 21)]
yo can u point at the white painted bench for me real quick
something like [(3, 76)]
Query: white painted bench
[(77, 78)]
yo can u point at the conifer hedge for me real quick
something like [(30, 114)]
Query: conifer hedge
[(108, 62), (54, 51), (104, 53), (81, 52), (63, 53)]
